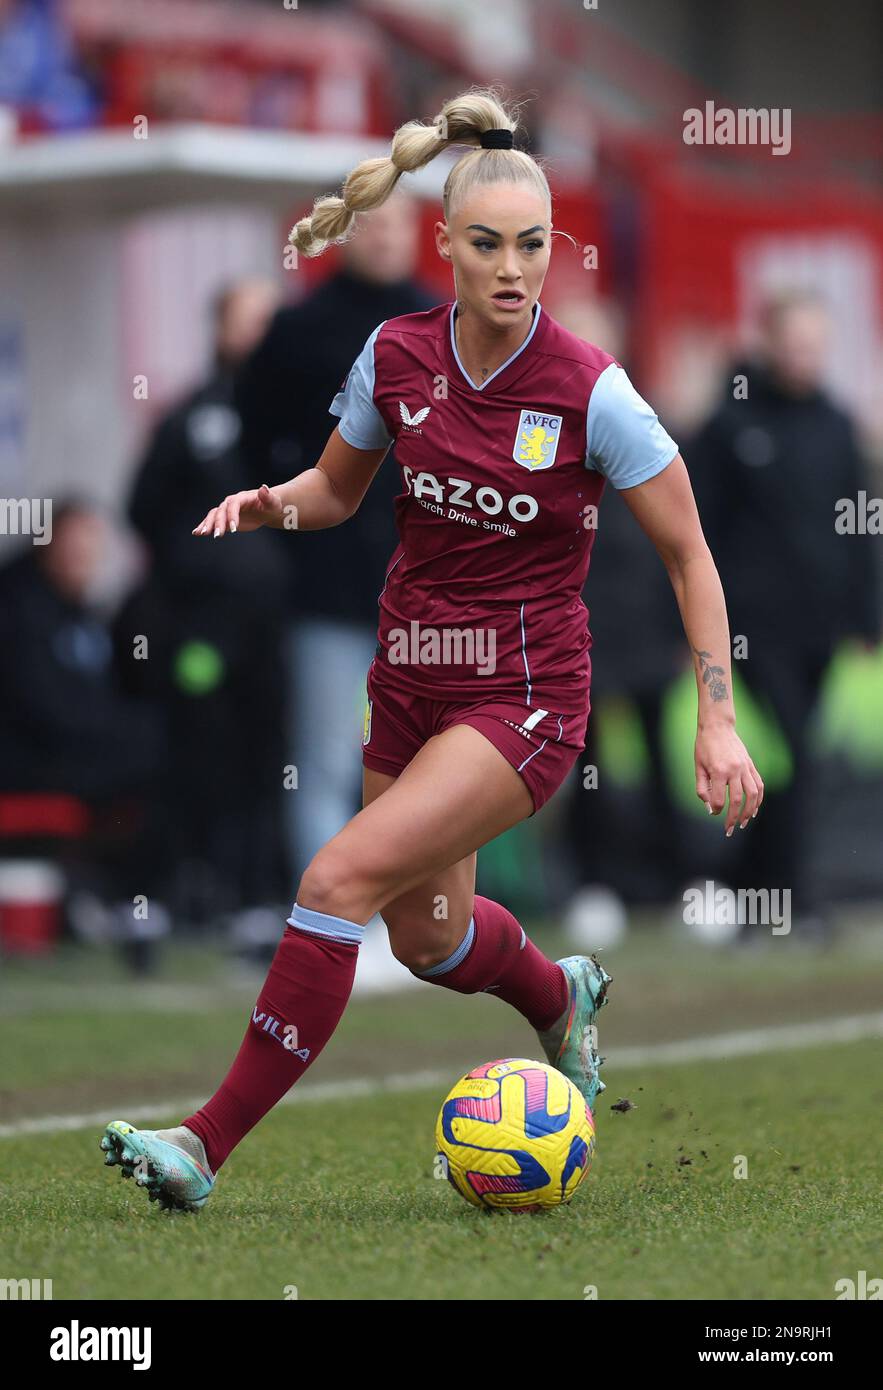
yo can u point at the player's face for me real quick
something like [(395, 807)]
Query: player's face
[(499, 243)]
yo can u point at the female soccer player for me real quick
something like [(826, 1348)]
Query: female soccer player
[(506, 428)]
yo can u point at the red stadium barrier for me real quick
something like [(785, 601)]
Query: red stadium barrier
[(44, 814)]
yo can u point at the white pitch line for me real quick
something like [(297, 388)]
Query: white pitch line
[(784, 1036), (718, 1047)]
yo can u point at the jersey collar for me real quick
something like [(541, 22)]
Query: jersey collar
[(538, 315)]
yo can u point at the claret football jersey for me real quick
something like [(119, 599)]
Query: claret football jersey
[(501, 483)]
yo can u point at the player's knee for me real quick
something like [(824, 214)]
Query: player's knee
[(333, 884), (420, 945), (410, 953)]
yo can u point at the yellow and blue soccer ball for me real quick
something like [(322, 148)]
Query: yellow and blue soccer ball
[(515, 1134)]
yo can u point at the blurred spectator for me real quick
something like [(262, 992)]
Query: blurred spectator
[(630, 845), (212, 615), (38, 73), (194, 459), (768, 469), (335, 575), (65, 723), (77, 753)]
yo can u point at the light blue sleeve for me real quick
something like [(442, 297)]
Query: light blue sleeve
[(624, 439), (361, 423)]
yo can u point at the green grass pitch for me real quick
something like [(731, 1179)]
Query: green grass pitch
[(336, 1198)]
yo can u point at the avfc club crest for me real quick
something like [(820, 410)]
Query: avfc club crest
[(536, 440)]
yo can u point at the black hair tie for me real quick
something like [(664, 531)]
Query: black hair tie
[(496, 139)]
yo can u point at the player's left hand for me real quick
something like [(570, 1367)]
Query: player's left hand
[(724, 767)]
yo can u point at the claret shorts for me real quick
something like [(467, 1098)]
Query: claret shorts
[(541, 744)]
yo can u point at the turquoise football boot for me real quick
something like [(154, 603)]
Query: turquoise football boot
[(569, 1044), (170, 1163)]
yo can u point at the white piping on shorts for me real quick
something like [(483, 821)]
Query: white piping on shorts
[(543, 744)]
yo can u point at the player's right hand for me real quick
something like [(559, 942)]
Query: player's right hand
[(242, 511)]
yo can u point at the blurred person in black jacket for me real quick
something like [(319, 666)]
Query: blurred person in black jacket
[(214, 624), (334, 577), (196, 449), (66, 723), (69, 727), (637, 650), (768, 471)]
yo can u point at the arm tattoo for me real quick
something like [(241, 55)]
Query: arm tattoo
[(712, 676)]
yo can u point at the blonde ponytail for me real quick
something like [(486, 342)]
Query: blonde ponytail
[(461, 121)]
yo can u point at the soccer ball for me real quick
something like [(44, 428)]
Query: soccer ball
[(515, 1134)]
